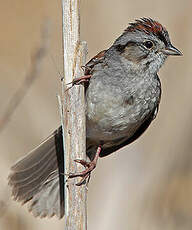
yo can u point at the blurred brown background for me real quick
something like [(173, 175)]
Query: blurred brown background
[(145, 186)]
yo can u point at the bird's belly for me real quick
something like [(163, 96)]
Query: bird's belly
[(109, 122)]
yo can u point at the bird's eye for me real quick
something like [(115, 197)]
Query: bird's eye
[(148, 44)]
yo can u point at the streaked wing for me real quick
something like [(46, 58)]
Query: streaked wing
[(95, 60)]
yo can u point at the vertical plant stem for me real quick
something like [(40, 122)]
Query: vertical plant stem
[(73, 116)]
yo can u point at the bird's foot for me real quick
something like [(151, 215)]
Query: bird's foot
[(85, 173), (81, 80), (90, 166)]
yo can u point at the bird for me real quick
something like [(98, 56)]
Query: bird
[(122, 94)]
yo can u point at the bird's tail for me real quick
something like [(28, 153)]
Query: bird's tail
[(38, 178)]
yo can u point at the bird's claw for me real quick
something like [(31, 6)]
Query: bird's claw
[(85, 173), (83, 162)]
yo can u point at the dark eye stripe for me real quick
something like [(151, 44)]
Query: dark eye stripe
[(121, 48)]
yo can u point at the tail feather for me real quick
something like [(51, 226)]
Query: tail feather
[(46, 203), (40, 152), (21, 178), (37, 178)]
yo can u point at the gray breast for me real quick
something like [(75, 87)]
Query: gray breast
[(116, 109)]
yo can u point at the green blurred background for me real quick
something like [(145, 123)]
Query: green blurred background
[(145, 186)]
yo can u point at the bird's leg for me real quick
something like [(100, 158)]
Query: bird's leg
[(89, 168)]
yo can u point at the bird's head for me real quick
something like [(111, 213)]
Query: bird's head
[(146, 44)]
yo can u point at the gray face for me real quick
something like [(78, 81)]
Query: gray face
[(145, 45), (143, 50)]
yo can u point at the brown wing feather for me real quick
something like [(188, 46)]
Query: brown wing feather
[(96, 59)]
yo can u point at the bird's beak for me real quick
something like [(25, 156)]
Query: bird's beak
[(171, 50)]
